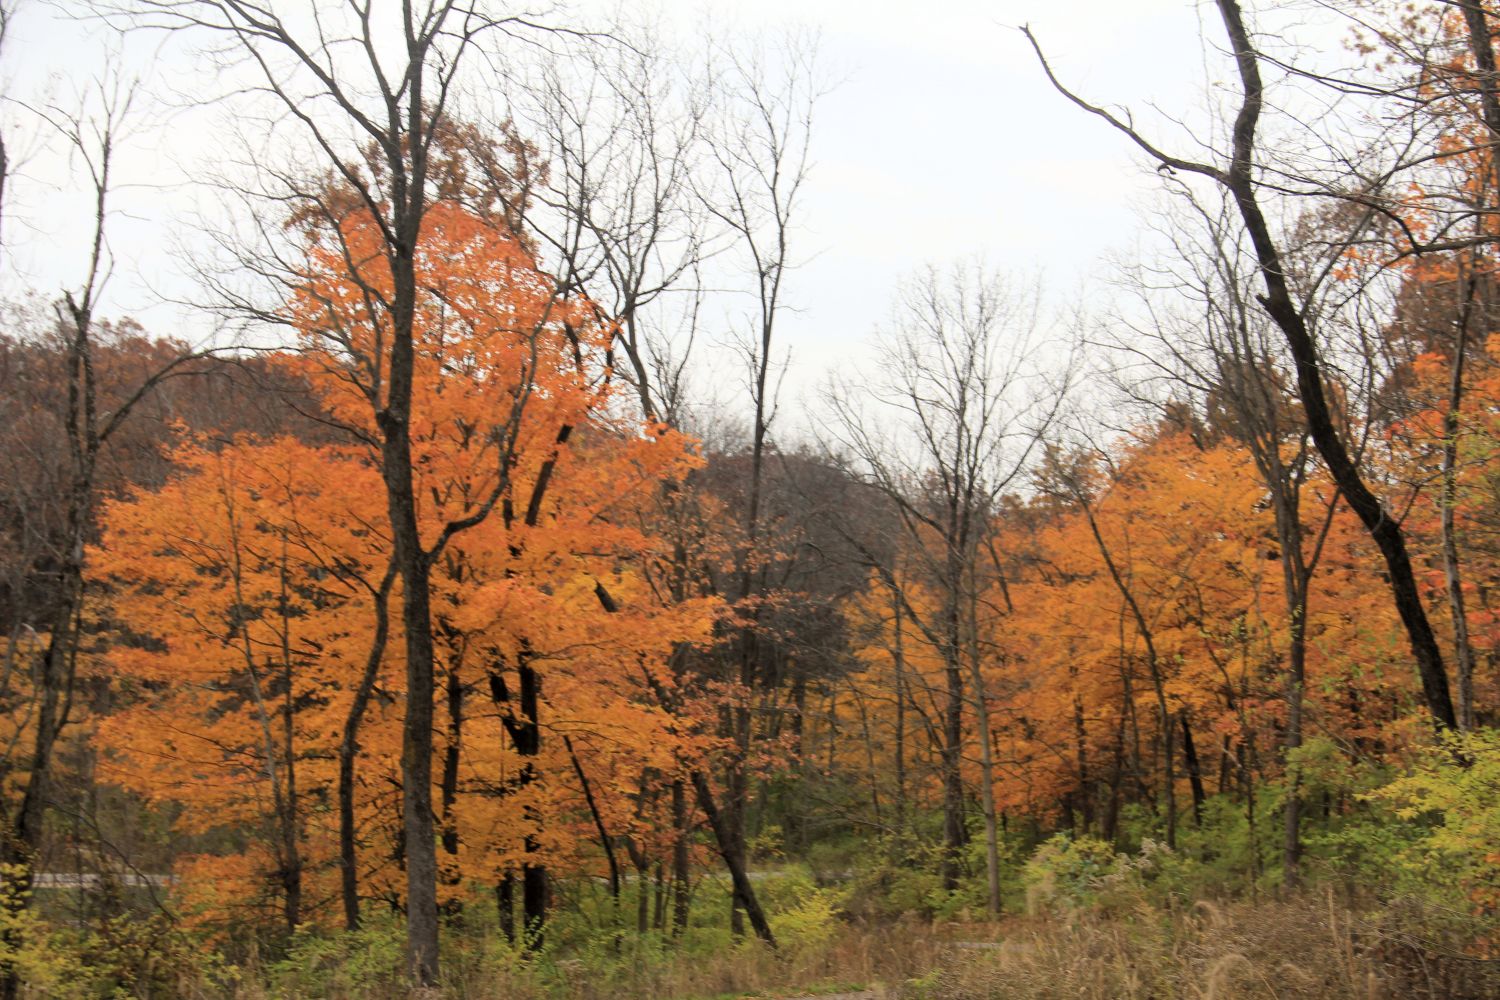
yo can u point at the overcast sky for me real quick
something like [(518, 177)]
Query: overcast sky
[(940, 140)]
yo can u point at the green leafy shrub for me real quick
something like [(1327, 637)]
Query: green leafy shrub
[(1086, 873), (896, 875), (122, 955), (803, 915), (320, 964), (1064, 872)]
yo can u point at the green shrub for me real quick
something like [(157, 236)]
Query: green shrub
[(330, 963), (1087, 874), (1064, 872), (896, 875)]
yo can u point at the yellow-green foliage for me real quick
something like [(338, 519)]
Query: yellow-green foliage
[(803, 917), (124, 955), (24, 943), (1066, 871), (1451, 797)]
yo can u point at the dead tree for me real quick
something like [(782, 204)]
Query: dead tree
[(1239, 174), (960, 380)]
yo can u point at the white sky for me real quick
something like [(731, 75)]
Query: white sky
[(941, 140)]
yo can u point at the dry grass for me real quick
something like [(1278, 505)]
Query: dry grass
[(1309, 947), (1304, 948)]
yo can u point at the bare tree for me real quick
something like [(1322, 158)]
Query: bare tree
[(962, 376), (759, 145), (93, 133), (622, 124)]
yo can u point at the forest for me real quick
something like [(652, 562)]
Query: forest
[(454, 607)]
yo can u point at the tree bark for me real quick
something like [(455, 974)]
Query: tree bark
[(1195, 774), (605, 841), (1452, 573)]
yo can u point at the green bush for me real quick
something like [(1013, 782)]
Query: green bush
[(331, 963), (1087, 874), (896, 875)]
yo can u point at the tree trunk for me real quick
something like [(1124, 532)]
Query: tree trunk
[(659, 905), (1383, 528), (349, 750), (987, 798), (416, 619), (680, 874), (1291, 834), (534, 887), (953, 789), (1080, 736), (1463, 650), (743, 892), (505, 902), (605, 841), (448, 783), (899, 663), (524, 729), (986, 767), (1195, 774)]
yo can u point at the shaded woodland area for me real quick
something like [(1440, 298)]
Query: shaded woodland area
[(434, 628)]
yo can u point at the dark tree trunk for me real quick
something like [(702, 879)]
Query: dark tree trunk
[(681, 900), (952, 754), (743, 892), (898, 659), (534, 887), (1195, 773), (605, 841), (416, 616), (505, 902), (524, 729), (349, 751), (448, 783), (1085, 793), (1382, 526)]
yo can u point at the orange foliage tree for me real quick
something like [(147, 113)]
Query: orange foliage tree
[(263, 615)]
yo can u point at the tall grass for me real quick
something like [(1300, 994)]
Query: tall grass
[(1313, 946)]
